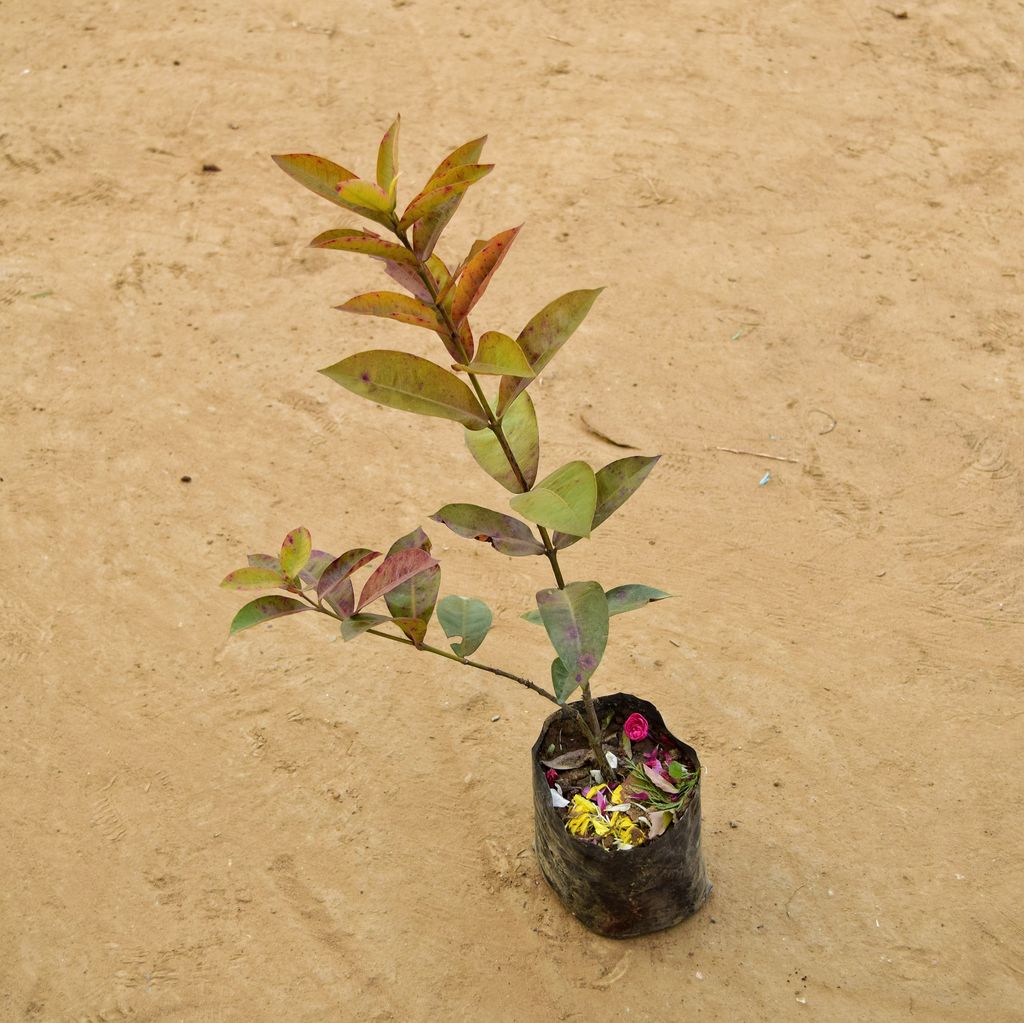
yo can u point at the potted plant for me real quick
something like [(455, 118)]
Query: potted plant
[(617, 796)]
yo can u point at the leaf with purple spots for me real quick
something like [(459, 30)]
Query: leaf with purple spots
[(316, 173), (253, 579), (393, 571), (409, 383), (504, 533), (295, 551), (318, 561), (387, 155), (367, 199), (616, 483), (349, 239), (393, 305), (427, 230), (334, 587), (356, 625), (478, 273), (576, 621), (412, 602), (265, 609), (450, 185), (545, 334)]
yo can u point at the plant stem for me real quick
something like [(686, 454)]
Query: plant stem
[(317, 606), (466, 661), (590, 725)]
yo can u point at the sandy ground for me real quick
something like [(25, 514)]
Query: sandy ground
[(806, 214)]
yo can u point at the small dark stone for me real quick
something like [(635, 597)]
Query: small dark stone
[(211, 168), (186, 479)]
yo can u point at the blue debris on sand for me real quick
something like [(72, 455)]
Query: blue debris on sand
[(765, 478)]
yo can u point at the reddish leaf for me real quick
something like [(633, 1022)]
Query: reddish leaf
[(335, 587), (409, 279), (349, 239), (394, 306), (478, 273), (318, 561), (427, 230), (393, 571), (413, 601)]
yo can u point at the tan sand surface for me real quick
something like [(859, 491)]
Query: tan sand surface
[(809, 220)]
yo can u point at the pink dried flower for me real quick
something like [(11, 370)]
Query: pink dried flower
[(636, 727), (552, 776)]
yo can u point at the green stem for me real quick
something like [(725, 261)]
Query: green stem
[(317, 606), (590, 726)]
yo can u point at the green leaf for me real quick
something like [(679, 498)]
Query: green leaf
[(265, 609), (393, 571), (409, 383), (295, 552), (631, 597), (441, 274), (466, 617), (387, 156), (561, 681), (412, 602), (499, 355), (316, 173), (520, 428), (545, 334), (348, 239), (504, 533), (620, 600), (565, 500), (427, 230), (364, 196), (478, 273), (439, 192), (334, 587), (253, 579), (677, 770), (393, 305), (576, 620), (356, 625), (616, 483)]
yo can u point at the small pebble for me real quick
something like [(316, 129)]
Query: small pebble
[(734, 824), (186, 479), (497, 717)]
